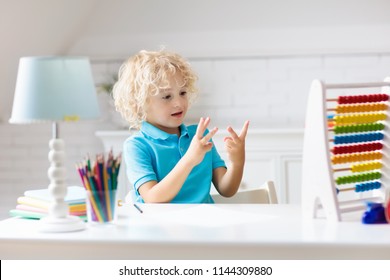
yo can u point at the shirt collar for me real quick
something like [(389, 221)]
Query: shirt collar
[(157, 133)]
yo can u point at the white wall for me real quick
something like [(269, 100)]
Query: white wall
[(232, 27), (218, 28), (255, 60)]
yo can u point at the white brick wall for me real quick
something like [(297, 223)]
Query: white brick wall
[(269, 91), (272, 91)]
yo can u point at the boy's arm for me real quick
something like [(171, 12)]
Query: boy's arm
[(228, 181), (168, 188)]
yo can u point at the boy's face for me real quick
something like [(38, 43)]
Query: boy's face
[(167, 109)]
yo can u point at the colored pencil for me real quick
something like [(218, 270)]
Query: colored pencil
[(100, 180)]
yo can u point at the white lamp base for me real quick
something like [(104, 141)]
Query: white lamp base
[(67, 224), (58, 219)]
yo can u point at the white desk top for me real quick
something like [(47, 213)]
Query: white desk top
[(231, 231)]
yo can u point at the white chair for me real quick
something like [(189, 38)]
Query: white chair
[(266, 194)]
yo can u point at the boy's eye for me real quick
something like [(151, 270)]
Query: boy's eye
[(166, 97), (183, 93)]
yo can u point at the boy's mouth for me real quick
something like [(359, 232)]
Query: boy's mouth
[(177, 114)]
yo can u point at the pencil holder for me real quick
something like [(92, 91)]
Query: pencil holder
[(100, 180), (101, 206)]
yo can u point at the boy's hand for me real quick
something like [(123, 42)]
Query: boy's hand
[(200, 144), (235, 144)]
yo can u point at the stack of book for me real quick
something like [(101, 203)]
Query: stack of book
[(35, 203)]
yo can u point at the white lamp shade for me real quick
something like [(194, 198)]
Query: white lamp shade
[(54, 89)]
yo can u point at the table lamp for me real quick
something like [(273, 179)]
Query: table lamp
[(55, 89)]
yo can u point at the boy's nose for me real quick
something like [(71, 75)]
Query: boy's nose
[(177, 102)]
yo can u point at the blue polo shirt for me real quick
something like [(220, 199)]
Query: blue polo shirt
[(150, 154)]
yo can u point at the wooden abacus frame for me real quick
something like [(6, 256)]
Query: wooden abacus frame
[(318, 185)]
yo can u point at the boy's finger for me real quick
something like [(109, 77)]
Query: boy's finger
[(244, 130), (210, 135), (229, 142), (203, 123), (206, 124), (232, 133), (199, 129)]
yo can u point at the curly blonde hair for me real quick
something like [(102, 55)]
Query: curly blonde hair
[(145, 74)]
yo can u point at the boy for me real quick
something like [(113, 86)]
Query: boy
[(166, 160)]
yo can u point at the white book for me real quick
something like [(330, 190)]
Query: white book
[(75, 194)]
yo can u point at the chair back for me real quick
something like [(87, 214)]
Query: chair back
[(266, 194)]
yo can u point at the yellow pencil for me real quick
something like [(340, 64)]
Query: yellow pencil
[(107, 191)]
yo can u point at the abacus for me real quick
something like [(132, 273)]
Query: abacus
[(346, 148)]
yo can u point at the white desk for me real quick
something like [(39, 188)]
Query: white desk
[(167, 231)]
